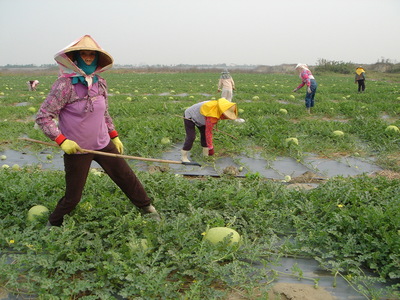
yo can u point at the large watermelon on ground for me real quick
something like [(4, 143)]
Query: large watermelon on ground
[(37, 211), (218, 234)]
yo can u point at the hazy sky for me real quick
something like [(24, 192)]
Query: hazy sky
[(170, 32)]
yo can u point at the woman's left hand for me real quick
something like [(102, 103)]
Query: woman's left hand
[(117, 142)]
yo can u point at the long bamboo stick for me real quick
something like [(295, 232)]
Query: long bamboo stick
[(118, 155)]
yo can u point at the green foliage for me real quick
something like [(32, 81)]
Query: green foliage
[(147, 108), (356, 220), (340, 67), (90, 255), (347, 224)]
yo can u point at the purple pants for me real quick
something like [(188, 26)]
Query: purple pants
[(77, 168), (190, 129)]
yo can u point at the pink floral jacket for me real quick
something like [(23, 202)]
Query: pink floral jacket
[(62, 93)]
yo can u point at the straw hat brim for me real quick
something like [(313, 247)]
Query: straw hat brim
[(231, 113), (104, 58), (86, 43)]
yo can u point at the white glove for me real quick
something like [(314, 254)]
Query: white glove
[(308, 90)]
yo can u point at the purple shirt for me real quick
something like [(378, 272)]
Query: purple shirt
[(83, 122), (82, 118)]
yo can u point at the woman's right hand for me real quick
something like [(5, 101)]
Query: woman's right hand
[(70, 147)]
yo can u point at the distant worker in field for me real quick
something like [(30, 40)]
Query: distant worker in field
[(78, 98), (32, 84), (226, 85), (307, 79), (205, 115), (360, 79)]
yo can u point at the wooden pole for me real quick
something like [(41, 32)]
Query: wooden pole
[(117, 155)]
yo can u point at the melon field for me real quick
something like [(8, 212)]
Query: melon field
[(107, 250)]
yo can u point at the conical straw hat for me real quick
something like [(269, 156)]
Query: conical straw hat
[(231, 113), (227, 108), (85, 43)]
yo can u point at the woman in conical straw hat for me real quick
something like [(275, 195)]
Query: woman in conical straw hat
[(78, 99), (205, 115), (308, 79), (360, 79), (226, 84)]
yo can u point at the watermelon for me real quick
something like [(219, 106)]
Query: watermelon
[(37, 211), (283, 111), (218, 234), (392, 128), (290, 141), (338, 133), (139, 245)]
